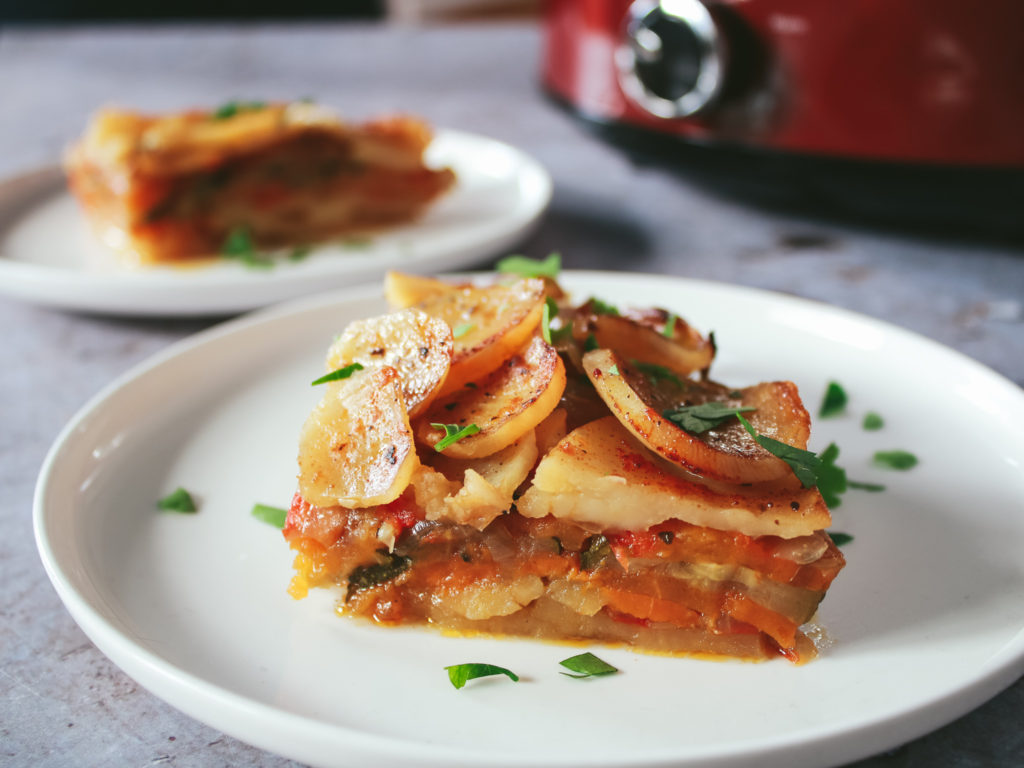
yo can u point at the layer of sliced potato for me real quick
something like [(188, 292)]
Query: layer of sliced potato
[(637, 341), (505, 405), (490, 324), (412, 342), (727, 453), (356, 448), (403, 290), (602, 476)]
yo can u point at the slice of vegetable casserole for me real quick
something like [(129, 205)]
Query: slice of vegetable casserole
[(492, 459), (264, 176)]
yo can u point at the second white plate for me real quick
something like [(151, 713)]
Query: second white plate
[(49, 255), (925, 623)]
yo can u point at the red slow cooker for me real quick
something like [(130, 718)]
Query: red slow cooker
[(925, 86)]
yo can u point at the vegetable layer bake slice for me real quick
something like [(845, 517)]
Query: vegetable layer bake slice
[(491, 459), (247, 176)]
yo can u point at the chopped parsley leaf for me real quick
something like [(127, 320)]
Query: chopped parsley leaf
[(669, 331), (232, 108), (834, 402), (872, 421), (462, 329), (872, 487), (831, 479), (895, 459), (238, 245), (460, 674), (590, 343), (696, 419), (550, 311), (839, 539), (339, 374), (587, 665), (810, 469), (526, 267), (452, 434), (656, 373), (601, 308), (178, 500), (274, 516), (614, 370)]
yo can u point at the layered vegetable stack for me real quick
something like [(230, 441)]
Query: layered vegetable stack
[(493, 459), (247, 176)]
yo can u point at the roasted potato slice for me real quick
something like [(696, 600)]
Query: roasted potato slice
[(727, 453), (403, 290), (638, 340), (489, 323), (505, 405), (356, 448), (505, 470), (600, 474), (412, 342)]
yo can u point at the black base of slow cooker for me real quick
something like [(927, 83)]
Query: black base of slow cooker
[(980, 203)]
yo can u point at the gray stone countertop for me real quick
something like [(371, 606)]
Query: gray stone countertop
[(61, 701)]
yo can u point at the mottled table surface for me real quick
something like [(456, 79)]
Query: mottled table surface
[(61, 701)]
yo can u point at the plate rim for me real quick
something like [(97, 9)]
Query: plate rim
[(59, 287), (145, 666)]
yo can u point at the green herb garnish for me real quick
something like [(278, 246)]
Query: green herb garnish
[(460, 674), (656, 373), (232, 108), (587, 665), (872, 487), (599, 307), (839, 539), (810, 469), (834, 402), (462, 329), (274, 516), (872, 421), (895, 459), (696, 419), (669, 331), (590, 343), (831, 479), (550, 311), (299, 253), (526, 267), (614, 370), (452, 434), (238, 245), (178, 500), (339, 374)]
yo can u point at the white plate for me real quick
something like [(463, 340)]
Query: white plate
[(49, 255), (926, 622)]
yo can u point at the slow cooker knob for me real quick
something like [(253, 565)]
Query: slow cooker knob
[(671, 60)]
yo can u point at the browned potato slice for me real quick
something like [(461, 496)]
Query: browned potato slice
[(505, 405), (404, 290), (412, 342), (603, 478), (505, 470), (490, 324), (551, 431), (635, 340), (727, 453), (356, 448)]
